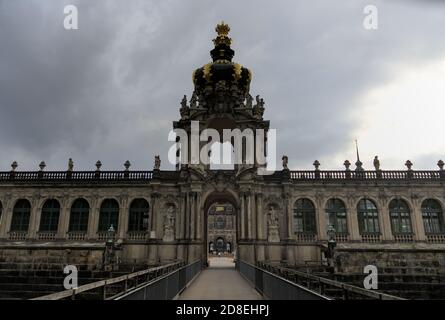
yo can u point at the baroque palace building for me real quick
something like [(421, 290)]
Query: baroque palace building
[(159, 216)]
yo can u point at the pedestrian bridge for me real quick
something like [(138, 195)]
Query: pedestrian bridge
[(222, 280)]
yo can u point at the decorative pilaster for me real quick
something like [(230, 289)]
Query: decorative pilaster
[(351, 213), (288, 215), (187, 216), (34, 219), (93, 219), (64, 218), (192, 215), (199, 217), (123, 216), (153, 215), (242, 216), (254, 216), (260, 217), (182, 224), (249, 215), (322, 221), (417, 221), (5, 220), (384, 219)]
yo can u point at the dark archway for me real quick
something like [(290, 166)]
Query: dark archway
[(220, 245), (220, 223)]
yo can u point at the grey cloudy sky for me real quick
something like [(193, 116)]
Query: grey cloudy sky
[(110, 90)]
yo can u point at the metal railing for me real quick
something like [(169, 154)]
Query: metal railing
[(274, 287), (324, 286), (166, 287), (113, 288)]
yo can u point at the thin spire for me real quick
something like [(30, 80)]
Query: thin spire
[(356, 148), (358, 164)]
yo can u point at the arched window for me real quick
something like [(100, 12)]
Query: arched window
[(49, 220), (20, 216), (304, 216), (80, 211), (139, 215), (336, 211), (432, 215), (108, 215), (400, 217), (368, 217), (220, 222)]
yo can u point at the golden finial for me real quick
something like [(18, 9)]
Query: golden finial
[(223, 30)]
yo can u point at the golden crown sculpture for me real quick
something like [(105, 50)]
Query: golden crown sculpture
[(223, 30)]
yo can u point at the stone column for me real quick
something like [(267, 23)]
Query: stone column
[(178, 214), (159, 217), (187, 216), (192, 215), (64, 217), (182, 215), (417, 221), (260, 217), (288, 206), (199, 216), (153, 214), (249, 216), (123, 217), (6, 217), (385, 222), (34, 219), (254, 208), (242, 218), (322, 220), (93, 219), (351, 213)]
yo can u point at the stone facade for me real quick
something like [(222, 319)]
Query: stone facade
[(251, 201)]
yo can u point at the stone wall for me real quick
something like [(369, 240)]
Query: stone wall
[(402, 259), (40, 258)]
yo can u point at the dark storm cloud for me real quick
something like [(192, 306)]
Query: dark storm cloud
[(110, 90)]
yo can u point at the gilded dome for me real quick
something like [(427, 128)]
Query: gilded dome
[(222, 68)]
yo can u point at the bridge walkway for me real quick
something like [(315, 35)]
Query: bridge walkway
[(220, 281)]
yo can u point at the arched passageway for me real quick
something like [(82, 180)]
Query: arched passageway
[(220, 224)]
